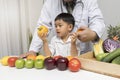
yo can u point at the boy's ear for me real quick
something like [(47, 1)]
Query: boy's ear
[(70, 27)]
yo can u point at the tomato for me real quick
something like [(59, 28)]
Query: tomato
[(74, 65), (11, 61)]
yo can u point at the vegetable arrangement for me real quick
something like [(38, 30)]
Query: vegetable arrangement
[(109, 49)]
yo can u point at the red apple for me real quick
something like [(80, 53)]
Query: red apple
[(57, 57), (62, 63), (11, 61), (49, 63)]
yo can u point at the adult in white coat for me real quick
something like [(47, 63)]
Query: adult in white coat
[(87, 17)]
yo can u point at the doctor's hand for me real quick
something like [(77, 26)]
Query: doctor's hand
[(86, 34), (24, 55)]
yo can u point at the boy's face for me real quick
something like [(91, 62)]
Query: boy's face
[(62, 28)]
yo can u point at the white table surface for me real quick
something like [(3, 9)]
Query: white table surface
[(8, 73)]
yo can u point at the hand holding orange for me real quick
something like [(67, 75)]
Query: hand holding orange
[(42, 29)]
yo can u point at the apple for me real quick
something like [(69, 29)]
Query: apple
[(19, 64), (11, 61), (62, 63), (74, 65), (39, 63), (49, 63), (56, 57), (29, 63)]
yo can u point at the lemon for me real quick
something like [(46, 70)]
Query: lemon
[(4, 60), (40, 57)]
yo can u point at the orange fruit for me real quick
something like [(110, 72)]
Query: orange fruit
[(31, 56), (42, 29), (79, 30), (69, 57)]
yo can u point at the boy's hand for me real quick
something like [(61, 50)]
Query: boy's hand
[(43, 37), (73, 37)]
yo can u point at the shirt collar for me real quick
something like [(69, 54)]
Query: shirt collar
[(60, 41)]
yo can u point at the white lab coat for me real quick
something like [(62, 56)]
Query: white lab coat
[(86, 14)]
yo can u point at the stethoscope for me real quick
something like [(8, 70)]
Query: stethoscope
[(80, 2)]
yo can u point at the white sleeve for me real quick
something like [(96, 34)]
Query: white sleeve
[(44, 19), (96, 22)]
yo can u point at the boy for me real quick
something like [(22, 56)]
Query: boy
[(62, 44)]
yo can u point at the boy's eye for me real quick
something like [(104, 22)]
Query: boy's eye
[(60, 25)]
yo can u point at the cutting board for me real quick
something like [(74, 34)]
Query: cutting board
[(88, 62)]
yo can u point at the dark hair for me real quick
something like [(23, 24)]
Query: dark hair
[(67, 17)]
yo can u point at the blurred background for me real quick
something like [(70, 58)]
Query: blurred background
[(18, 19)]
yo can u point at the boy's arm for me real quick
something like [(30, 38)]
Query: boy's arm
[(74, 51), (46, 48)]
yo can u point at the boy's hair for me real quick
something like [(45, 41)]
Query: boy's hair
[(67, 17)]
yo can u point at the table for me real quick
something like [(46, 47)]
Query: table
[(11, 73)]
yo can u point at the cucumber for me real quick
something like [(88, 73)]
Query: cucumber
[(111, 55), (116, 60)]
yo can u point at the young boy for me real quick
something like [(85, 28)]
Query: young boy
[(63, 43)]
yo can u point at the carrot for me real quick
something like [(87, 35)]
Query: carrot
[(115, 38)]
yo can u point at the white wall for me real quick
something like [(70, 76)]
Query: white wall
[(111, 12), (34, 12), (18, 18)]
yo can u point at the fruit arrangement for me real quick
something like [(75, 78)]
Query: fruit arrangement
[(109, 49), (40, 62)]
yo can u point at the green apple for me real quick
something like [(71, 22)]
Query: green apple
[(100, 56), (39, 63), (19, 64), (29, 63)]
